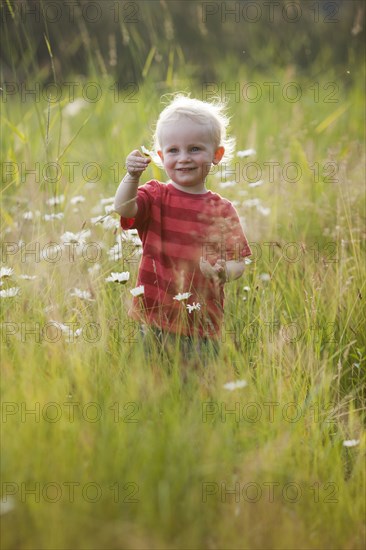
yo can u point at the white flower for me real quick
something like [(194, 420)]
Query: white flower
[(265, 277), (136, 241), (235, 385), (28, 215), (94, 269), (72, 109), (6, 272), (246, 153), (246, 289), (351, 443), (75, 238), (108, 221), (182, 296), (251, 202), (109, 200), (7, 504), (194, 306), (28, 277), (77, 199), (247, 261), (82, 294), (115, 277), (115, 253), (263, 210), (146, 151), (255, 183), (50, 217), (225, 184), (67, 330), (138, 291), (55, 200), (131, 232), (111, 223), (9, 292)]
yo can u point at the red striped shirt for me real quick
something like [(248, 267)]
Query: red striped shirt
[(176, 230)]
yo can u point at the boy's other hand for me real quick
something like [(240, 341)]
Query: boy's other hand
[(136, 163), (216, 273)]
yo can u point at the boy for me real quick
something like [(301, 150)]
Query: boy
[(192, 239)]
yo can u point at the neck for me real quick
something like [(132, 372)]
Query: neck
[(195, 189)]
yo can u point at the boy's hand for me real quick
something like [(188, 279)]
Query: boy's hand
[(136, 163), (217, 273)]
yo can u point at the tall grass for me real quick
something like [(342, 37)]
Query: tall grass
[(152, 453)]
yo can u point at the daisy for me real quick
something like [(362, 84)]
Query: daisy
[(251, 202), (225, 184), (55, 200), (351, 443), (9, 292), (82, 294), (235, 385), (246, 153), (247, 261), (146, 151), (263, 210), (50, 217), (28, 277), (265, 277), (193, 307), (255, 183), (28, 215), (246, 289), (75, 238), (74, 107), (67, 330), (131, 232), (109, 200), (115, 253), (138, 291), (111, 223), (94, 269), (77, 199), (115, 277), (6, 272), (182, 296)]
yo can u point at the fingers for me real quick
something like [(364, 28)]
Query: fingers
[(136, 163)]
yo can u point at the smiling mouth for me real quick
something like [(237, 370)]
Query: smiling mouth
[(186, 169)]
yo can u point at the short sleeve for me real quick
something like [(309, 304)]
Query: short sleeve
[(236, 244), (145, 196)]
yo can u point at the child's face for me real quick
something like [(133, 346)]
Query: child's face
[(187, 152)]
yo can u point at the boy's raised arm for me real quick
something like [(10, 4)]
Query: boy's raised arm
[(125, 199)]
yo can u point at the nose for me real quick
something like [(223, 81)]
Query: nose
[(185, 156)]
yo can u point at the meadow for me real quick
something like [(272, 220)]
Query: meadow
[(102, 449)]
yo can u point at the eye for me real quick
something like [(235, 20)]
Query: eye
[(172, 150), (195, 148)]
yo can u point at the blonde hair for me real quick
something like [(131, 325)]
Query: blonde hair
[(201, 112)]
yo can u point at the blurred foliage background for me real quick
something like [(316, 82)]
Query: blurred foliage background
[(129, 39)]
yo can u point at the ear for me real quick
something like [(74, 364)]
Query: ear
[(219, 153), (160, 153)]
